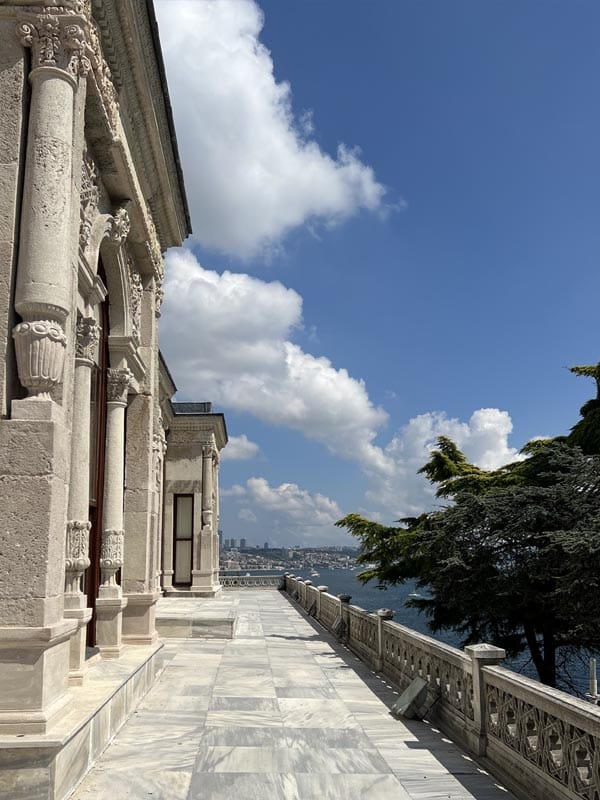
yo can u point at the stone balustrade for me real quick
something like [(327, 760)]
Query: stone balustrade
[(251, 581), (542, 743)]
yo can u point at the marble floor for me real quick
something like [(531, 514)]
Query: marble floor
[(280, 711)]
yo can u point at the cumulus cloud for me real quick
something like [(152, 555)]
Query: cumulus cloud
[(239, 448), (288, 512), (252, 171), (228, 337), (483, 439)]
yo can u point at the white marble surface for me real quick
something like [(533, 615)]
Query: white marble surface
[(280, 711)]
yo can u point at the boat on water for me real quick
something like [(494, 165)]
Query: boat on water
[(315, 574)]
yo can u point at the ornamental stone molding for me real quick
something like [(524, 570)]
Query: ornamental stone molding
[(117, 385), (77, 548), (136, 291), (57, 38), (87, 337), (90, 197), (111, 555), (153, 247), (120, 226), (159, 295), (66, 38), (40, 349), (77, 553)]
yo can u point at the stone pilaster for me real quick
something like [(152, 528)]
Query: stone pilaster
[(78, 527), (205, 578), (139, 570), (110, 602)]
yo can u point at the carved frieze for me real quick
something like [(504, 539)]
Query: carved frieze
[(87, 336), (40, 349), (117, 385)]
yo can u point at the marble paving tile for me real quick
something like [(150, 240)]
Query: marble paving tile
[(333, 760), (243, 719), (138, 784), (350, 787), (249, 786), (324, 690), (268, 704), (327, 737), (315, 713), (236, 736)]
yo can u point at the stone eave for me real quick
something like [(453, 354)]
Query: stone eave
[(131, 48)]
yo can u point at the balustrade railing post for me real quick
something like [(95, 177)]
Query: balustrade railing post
[(482, 655), (342, 624), (382, 614), (307, 584), (320, 590)]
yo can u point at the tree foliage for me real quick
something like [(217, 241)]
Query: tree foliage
[(515, 557)]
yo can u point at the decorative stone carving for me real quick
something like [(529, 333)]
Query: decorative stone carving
[(87, 336), (120, 226), (158, 299), (90, 196), (154, 249), (77, 553), (117, 385), (57, 38), (40, 349), (111, 555), (136, 291), (102, 77)]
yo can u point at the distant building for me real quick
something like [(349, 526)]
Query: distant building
[(266, 546), (243, 544)]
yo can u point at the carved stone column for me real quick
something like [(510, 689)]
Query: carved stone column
[(110, 602), (78, 527), (57, 41)]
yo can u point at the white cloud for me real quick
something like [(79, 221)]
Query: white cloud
[(483, 439), (252, 171), (228, 337), (289, 513), (239, 448), (247, 515), (300, 506)]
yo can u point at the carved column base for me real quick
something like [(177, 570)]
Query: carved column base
[(139, 621), (109, 625), (111, 561)]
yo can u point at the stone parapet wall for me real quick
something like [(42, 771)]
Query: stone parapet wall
[(542, 743), (251, 581)]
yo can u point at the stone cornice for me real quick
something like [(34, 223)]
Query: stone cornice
[(201, 427), (130, 45)]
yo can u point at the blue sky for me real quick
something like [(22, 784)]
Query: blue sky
[(445, 257)]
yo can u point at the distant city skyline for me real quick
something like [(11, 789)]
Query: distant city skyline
[(395, 238)]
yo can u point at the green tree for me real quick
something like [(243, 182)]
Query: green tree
[(501, 563), (586, 433)]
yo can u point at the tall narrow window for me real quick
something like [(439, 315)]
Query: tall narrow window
[(184, 522)]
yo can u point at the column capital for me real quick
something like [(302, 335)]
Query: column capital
[(58, 37), (117, 385), (87, 335)]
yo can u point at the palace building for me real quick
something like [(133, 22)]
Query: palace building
[(108, 489)]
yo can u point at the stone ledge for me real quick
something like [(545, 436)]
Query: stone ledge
[(51, 765)]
